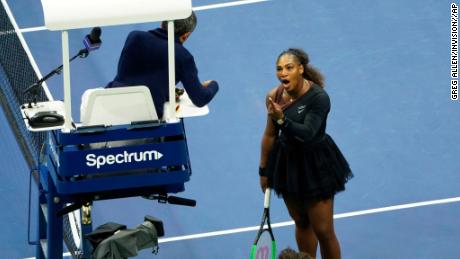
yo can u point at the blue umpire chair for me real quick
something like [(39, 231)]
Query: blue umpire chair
[(120, 148), (115, 159)]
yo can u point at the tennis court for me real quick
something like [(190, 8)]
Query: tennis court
[(387, 69)]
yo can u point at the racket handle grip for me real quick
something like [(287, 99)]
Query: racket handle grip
[(181, 201), (267, 198)]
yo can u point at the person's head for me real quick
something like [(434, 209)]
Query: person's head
[(182, 28), (292, 66), (289, 253)]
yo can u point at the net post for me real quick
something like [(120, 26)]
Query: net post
[(66, 77)]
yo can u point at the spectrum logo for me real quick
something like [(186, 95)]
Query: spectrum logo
[(125, 157)]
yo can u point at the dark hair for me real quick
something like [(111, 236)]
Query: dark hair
[(289, 253), (182, 26), (310, 72)]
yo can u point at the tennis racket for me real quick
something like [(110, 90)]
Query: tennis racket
[(264, 247)]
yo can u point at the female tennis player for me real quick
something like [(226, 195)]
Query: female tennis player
[(298, 159)]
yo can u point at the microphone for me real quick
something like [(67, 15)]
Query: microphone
[(93, 41)]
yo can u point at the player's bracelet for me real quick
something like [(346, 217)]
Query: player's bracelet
[(261, 171)]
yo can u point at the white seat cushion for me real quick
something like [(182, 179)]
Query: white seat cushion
[(116, 106)]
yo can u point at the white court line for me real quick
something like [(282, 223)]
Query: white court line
[(228, 4), (290, 223), (26, 48), (198, 8)]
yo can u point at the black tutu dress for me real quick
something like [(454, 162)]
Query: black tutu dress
[(305, 162)]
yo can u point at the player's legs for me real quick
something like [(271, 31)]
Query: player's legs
[(321, 218), (304, 234)]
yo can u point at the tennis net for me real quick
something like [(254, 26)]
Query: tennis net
[(16, 75)]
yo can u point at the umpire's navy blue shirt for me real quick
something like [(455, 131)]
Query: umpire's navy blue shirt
[(144, 61)]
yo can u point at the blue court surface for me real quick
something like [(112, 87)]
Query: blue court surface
[(387, 69)]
